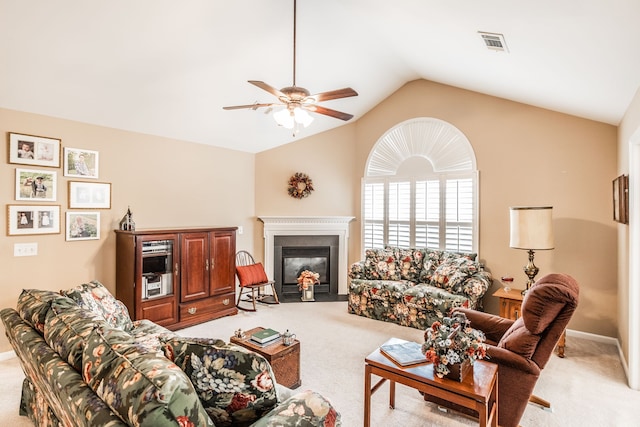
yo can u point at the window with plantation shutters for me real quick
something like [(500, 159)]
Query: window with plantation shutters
[(421, 189)]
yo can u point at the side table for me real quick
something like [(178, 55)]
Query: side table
[(478, 392), (284, 359), (511, 308)]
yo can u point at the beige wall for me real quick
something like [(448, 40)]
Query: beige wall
[(166, 183), (525, 155)]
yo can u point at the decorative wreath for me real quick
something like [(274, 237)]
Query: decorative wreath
[(300, 185)]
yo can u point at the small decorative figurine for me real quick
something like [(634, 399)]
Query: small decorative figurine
[(127, 223)]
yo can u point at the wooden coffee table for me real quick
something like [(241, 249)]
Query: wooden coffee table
[(478, 392), (284, 359)]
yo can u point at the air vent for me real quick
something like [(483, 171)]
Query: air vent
[(494, 41)]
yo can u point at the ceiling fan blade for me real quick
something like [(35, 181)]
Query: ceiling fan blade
[(333, 94), (329, 112), (272, 90), (252, 106)]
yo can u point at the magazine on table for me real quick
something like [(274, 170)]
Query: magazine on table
[(406, 353)]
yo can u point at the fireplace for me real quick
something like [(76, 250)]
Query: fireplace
[(320, 242), (294, 254)]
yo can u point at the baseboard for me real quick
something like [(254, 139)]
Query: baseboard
[(7, 355), (605, 340), (592, 337)]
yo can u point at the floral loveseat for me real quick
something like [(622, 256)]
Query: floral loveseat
[(415, 287), (87, 364)]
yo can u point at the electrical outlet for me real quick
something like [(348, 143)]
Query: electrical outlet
[(240, 229), (25, 249)]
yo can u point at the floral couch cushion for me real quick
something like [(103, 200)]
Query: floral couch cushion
[(144, 389), (235, 385), (410, 262), (381, 264), (96, 297), (33, 305), (303, 409), (431, 261), (67, 327)]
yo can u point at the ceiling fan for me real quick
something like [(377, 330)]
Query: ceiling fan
[(298, 100)]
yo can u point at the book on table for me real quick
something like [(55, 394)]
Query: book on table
[(264, 336), (406, 353)]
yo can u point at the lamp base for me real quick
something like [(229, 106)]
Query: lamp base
[(530, 270)]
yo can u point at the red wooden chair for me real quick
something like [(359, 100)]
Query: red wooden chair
[(253, 281)]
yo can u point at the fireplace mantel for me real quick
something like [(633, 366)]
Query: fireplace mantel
[(308, 225)]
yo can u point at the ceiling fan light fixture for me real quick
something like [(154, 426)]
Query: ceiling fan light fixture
[(302, 116), (284, 118), (290, 118)]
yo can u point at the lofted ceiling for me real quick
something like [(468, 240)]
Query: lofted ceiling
[(167, 67)]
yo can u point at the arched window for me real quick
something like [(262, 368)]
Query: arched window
[(421, 188)]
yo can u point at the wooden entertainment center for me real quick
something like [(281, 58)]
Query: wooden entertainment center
[(177, 277)]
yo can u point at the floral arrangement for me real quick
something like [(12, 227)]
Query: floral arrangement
[(452, 341), (300, 185), (307, 278)]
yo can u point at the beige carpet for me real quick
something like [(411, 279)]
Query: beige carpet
[(587, 388)]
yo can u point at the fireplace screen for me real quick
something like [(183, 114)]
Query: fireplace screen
[(293, 266), (294, 254)]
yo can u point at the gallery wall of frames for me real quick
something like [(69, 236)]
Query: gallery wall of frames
[(37, 208)]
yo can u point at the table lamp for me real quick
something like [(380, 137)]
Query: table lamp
[(531, 230)]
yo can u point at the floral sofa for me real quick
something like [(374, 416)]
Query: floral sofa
[(415, 287), (87, 364)]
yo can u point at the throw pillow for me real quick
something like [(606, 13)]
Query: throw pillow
[(430, 262), (453, 272), (33, 306), (253, 274), (142, 388), (410, 263), (94, 296), (236, 386)]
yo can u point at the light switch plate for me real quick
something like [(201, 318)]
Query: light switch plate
[(25, 249)]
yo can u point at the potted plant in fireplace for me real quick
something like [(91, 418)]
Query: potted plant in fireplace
[(306, 281)]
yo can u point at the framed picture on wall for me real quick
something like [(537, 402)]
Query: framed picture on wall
[(36, 185), (34, 150), (83, 226), (89, 195), (621, 199), (81, 163), (32, 219)]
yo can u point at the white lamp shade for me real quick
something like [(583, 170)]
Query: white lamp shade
[(531, 227)]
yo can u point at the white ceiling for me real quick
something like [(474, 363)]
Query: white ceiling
[(167, 67)]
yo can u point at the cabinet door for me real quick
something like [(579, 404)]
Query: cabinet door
[(223, 262), (194, 266)]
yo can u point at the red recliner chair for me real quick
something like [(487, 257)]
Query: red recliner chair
[(523, 347)]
